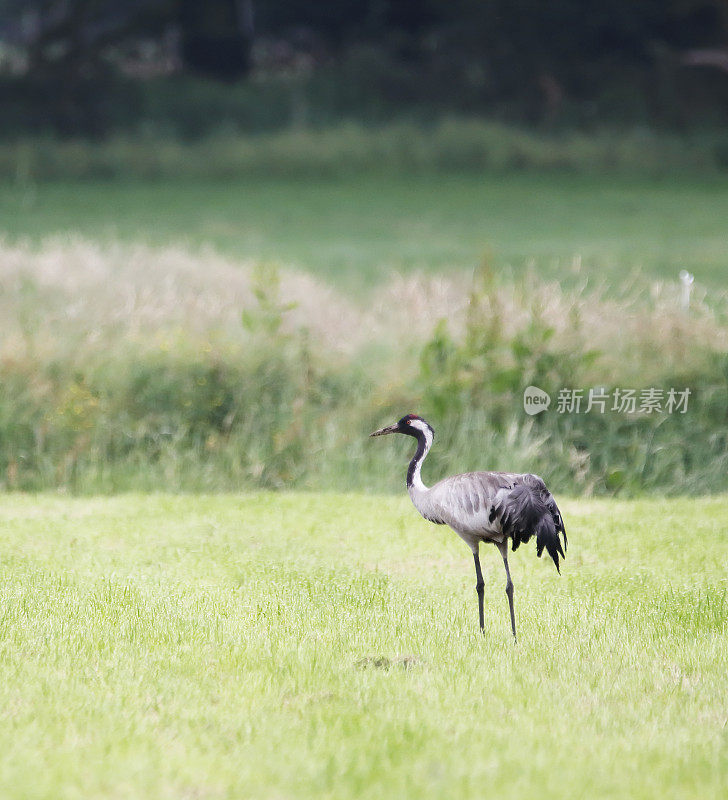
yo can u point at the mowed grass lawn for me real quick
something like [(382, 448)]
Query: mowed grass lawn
[(357, 229), (326, 646)]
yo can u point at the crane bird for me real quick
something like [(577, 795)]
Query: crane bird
[(484, 507)]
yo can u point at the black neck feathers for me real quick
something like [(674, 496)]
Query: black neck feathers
[(418, 456)]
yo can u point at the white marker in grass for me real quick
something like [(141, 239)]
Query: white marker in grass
[(686, 281)]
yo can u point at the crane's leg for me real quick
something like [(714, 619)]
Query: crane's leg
[(503, 548), (479, 587)]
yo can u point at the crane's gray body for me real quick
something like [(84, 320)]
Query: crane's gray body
[(472, 504)]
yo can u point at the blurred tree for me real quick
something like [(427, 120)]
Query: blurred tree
[(217, 36), (68, 49), (74, 36), (79, 36), (524, 60), (527, 58), (350, 22)]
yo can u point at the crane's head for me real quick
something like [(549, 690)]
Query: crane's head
[(411, 425)]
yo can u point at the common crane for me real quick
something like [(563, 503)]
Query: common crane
[(484, 507)]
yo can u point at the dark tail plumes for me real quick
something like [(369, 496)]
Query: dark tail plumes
[(548, 536), (529, 508)]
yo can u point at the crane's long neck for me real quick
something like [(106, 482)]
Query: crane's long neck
[(414, 479)]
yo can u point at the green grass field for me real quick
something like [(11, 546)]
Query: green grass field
[(326, 646), (359, 228)]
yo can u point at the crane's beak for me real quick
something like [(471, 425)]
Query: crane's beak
[(389, 429)]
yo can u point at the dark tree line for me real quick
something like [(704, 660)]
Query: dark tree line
[(528, 56)]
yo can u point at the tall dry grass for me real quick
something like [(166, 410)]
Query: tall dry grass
[(129, 366)]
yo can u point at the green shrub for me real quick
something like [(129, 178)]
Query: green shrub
[(450, 145), (477, 381)]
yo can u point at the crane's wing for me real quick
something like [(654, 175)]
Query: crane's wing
[(529, 508), (465, 502)]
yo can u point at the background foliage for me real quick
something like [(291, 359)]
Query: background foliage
[(263, 379), (188, 69)]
